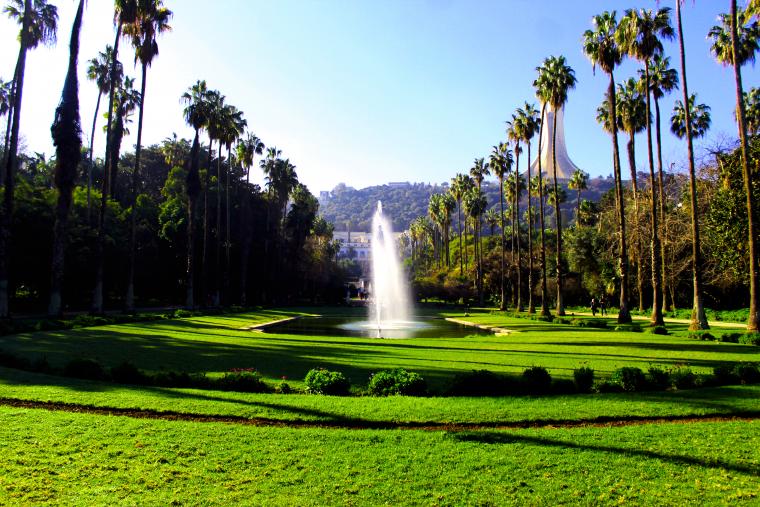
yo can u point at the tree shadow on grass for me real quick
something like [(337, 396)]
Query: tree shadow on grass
[(505, 438), (707, 347)]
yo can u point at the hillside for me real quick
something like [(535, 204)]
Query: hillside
[(406, 201)]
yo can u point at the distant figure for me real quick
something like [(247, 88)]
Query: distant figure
[(603, 305), (593, 306)]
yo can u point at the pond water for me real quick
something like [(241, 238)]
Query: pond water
[(363, 328)]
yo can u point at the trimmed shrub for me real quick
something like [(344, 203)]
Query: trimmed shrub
[(636, 328), (658, 330), (482, 383), (608, 386), (750, 339), (398, 381), (128, 373), (629, 378), (85, 369), (658, 378), (701, 335), (731, 337), (180, 379), (323, 381), (683, 378), (560, 320), (747, 373), (724, 374), (563, 386), (283, 388), (245, 380), (583, 378), (536, 380)]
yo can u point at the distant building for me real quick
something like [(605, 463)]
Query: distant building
[(399, 184), (324, 196)]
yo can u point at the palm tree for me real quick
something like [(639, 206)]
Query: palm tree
[(529, 117), (457, 189), (559, 79), (698, 117), (640, 33), (448, 205), (437, 219), (601, 48), (124, 13), (631, 109), (39, 23), (6, 97), (214, 102), (698, 317), (491, 217), (735, 43), (99, 71), (542, 93), (247, 149), (479, 171), (516, 134), (475, 205), (197, 116), (501, 164), (151, 20), (578, 182), (67, 137), (662, 80)]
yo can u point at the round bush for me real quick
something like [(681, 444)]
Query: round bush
[(659, 378), (747, 373), (683, 378), (629, 378), (481, 383), (323, 381), (536, 379), (84, 368), (584, 379), (658, 330), (398, 381), (127, 373)]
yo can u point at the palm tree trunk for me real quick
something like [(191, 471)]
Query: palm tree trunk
[(502, 301), (129, 299), (656, 319), (661, 202), (698, 317), (227, 235), (67, 137), (517, 232), (97, 293), (624, 315), (6, 218), (459, 224), (204, 252), (753, 216), (218, 259), (193, 187), (544, 307), (637, 218), (558, 214), (89, 166), (531, 303)]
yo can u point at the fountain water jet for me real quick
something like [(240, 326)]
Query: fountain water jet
[(389, 307)]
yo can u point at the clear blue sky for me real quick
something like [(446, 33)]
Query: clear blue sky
[(369, 92)]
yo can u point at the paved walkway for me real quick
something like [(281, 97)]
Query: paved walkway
[(713, 323)]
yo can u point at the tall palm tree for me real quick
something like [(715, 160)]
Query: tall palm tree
[(39, 22), (541, 88), (475, 205), (530, 119), (99, 70), (735, 43), (479, 171), (662, 80), (698, 317), (457, 188), (124, 13), (151, 20), (214, 102), (631, 109), (640, 33), (247, 149), (602, 49), (559, 79), (501, 164), (448, 205), (67, 137), (197, 116), (516, 134), (578, 182)]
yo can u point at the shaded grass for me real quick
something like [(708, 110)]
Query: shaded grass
[(215, 344), (726, 400), (66, 458)]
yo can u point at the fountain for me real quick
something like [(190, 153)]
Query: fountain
[(389, 305)]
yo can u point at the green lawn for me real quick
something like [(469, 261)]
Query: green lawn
[(80, 459), (323, 450), (214, 344)]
